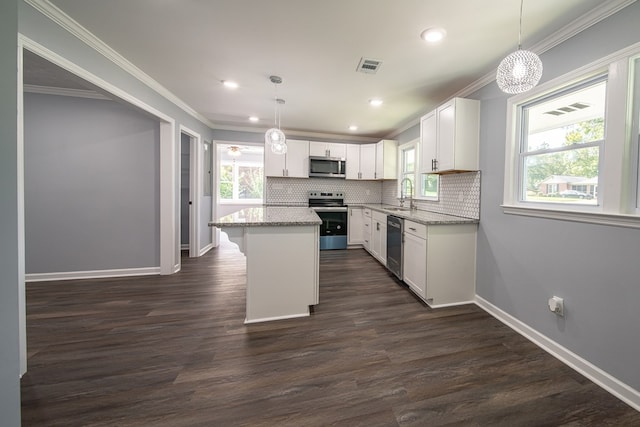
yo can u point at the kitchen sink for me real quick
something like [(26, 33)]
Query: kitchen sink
[(397, 209)]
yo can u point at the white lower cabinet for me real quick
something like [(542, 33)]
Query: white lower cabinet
[(379, 236), (366, 230), (439, 262), (414, 263), (355, 226)]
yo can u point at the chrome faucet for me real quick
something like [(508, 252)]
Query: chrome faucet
[(412, 205)]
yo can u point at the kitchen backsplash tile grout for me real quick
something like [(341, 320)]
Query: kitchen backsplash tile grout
[(459, 193)]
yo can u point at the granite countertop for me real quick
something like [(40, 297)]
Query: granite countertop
[(420, 216), (262, 216)]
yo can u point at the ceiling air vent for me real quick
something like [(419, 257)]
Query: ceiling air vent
[(368, 65), (573, 107)]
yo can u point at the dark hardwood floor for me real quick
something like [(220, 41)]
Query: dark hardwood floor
[(173, 351)]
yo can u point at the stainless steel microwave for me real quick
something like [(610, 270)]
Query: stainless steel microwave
[(327, 167)]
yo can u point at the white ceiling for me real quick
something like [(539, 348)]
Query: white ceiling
[(189, 46)]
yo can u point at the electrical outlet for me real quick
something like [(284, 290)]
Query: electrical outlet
[(556, 305)]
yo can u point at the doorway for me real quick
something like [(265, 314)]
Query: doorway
[(190, 192)]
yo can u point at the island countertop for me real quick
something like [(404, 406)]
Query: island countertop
[(269, 216)]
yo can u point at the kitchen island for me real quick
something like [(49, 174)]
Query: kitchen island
[(281, 246)]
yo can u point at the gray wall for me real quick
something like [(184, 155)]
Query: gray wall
[(9, 349), (92, 191), (523, 261), (40, 29)]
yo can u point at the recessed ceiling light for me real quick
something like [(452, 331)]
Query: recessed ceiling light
[(353, 127), (433, 35), (253, 119), (230, 84), (375, 102)]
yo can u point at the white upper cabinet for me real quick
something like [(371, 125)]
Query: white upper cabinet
[(361, 161), (368, 161), (386, 159), (428, 142), (353, 161), (327, 149), (449, 137), (294, 164)]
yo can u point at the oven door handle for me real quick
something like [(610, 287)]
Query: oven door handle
[(330, 209)]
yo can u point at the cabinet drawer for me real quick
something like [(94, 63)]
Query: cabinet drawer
[(367, 212), (418, 230), (380, 217)]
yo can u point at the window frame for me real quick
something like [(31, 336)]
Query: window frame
[(235, 169), (618, 205), (221, 145), (634, 75), (523, 152), (412, 145)]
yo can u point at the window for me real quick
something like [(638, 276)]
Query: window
[(572, 149), (241, 174), (429, 186), (562, 137), (407, 183)]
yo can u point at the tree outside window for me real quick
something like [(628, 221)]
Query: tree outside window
[(241, 176)]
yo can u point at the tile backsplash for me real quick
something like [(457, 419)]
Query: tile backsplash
[(459, 193), (293, 191)]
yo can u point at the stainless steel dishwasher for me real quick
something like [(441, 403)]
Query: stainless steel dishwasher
[(395, 230)]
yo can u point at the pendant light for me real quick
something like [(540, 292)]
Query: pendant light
[(521, 70), (274, 137)]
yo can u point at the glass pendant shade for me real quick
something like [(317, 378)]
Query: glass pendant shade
[(274, 135), (519, 72), (279, 147)]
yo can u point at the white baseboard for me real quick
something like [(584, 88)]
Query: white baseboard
[(91, 274), (271, 319), (608, 382), (206, 249), (451, 304)]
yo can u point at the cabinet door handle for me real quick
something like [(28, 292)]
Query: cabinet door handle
[(377, 226), (411, 228)]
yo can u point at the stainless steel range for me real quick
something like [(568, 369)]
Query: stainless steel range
[(332, 211)]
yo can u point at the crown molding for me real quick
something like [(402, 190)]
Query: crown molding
[(55, 14), (66, 22), (59, 91), (595, 15), (297, 134)]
